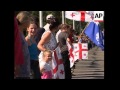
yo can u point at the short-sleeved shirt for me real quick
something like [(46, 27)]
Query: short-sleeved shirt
[(62, 37)]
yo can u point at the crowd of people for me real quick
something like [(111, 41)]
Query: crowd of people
[(33, 52)]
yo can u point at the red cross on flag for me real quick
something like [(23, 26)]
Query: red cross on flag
[(79, 51), (78, 16), (84, 50), (57, 65), (71, 55)]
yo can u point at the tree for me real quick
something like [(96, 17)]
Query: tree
[(102, 25)]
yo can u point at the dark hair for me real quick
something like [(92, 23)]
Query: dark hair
[(59, 27), (53, 25), (65, 26), (35, 19)]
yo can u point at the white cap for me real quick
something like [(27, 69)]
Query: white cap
[(50, 16)]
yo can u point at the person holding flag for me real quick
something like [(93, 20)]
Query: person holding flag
[(63, 38)]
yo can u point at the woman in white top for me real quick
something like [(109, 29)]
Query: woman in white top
[(48, 40)]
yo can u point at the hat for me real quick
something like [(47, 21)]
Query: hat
[(50, 16)]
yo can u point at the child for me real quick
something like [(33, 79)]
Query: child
[(32, 46), (45, 67)]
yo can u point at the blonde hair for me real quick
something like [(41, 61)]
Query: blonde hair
[(46, 51), (22, 17)]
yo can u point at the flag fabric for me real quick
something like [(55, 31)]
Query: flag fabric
[(78, 16), (94, 32), (79, 51), (57, 65), (71, 55)]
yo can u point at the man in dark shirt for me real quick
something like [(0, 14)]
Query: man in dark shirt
[(63, 38)]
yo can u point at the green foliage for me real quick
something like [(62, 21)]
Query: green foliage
[(79, 26), (102, 25)]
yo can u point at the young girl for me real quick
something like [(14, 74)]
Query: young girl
[(45, 67), (32, 46)]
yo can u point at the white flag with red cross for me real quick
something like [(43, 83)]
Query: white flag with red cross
[(57, 65), (84, 50), (78, 16), (71, 55), (79, 51), (86, 16)]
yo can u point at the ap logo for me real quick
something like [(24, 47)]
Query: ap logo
[(98, 16)]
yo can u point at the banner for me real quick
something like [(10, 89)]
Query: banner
[(57, 65), (79, 51), (85, 16), (78, 16)]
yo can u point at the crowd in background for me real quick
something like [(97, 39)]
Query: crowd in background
[(33, 51)]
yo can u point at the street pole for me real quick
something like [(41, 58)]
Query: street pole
[(63, 17), (73, 24), (41, 18)]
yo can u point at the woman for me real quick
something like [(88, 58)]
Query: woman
[(48, 40), (23, 19)]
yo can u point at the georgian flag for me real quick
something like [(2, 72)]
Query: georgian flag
[(79, 51), (78, 16), (71, 55), (57, 65)]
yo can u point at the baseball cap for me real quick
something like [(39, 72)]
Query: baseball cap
[(50, 16)]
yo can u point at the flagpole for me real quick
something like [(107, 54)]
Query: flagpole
[(41, 18), (63, 17)]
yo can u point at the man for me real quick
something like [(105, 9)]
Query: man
[(49, 19)]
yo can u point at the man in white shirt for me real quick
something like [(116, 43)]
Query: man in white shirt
[(49, 19)]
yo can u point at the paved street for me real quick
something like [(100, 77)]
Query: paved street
[(93, 68)]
